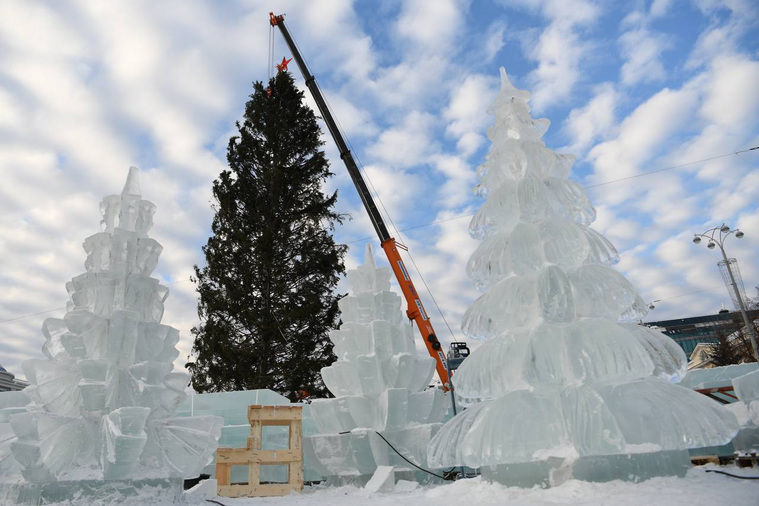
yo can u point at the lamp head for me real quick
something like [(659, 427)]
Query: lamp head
[(711, 245), (651, 307), (738, 234), (724, 229), (696, 240)]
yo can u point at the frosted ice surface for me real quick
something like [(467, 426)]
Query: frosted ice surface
[(747, 387), (559, 376), (106, 394), (568, 200), (670, 361), (602, 292), (564, 243), (379, 383)]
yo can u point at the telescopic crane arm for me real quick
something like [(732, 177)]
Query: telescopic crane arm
[(415, 310)]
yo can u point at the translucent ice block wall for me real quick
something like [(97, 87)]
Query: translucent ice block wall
[(379, 382), (747, 411), (561, 375), (104, 396)]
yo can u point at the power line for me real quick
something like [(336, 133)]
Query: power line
[(734, 153), (30, 315), (62, 308)]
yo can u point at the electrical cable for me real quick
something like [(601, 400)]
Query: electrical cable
[(407, 460), (423, 225), (215, 502), (736, 153), (733, 475)]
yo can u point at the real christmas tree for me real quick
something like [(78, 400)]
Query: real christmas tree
[(267, 298)]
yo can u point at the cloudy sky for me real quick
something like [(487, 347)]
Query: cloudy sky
[(88, 88)]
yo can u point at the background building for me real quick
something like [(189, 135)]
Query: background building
[(688, 332), (9, 382)]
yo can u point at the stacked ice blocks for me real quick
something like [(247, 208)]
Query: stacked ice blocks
[(379, 382)]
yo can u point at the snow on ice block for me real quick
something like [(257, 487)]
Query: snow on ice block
[(383, 480)]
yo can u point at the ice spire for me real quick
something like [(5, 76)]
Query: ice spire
[(132, 185)]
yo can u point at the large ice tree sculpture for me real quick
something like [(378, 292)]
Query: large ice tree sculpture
[(104, 396), (562, 387), (379, 382)]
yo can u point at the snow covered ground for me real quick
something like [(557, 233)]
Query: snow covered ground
[(697, 488)]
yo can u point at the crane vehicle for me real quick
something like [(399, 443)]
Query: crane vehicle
[(415, 309)]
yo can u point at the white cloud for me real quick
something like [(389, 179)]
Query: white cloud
[(641, 136), (726, 102), (560, 47), (431, 27), (593, 121), (466, 113), (642, 51)]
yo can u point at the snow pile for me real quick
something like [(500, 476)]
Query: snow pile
[(562, 388)]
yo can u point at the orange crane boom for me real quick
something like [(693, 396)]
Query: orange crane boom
[(415, 309)]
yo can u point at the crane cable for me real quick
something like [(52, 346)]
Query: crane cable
[(392, 223), (271, 52)]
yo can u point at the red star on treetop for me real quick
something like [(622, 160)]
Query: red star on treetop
[(282, 67)]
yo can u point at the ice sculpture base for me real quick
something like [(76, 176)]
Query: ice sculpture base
[(599, 468), (168, 490)]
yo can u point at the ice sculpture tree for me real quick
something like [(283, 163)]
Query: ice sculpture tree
[(104, 396), (380, 384), (563, 386)]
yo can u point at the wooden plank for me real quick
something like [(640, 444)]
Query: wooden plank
[(296, 436), (703, 460), (275, 456), (232, 456), (244, 456), (256, 436), (273, 415), (254, 474), (222, 474), (295, 474), (261, 490)]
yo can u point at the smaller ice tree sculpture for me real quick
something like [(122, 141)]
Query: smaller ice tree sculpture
[(104, 396), (563, 387), (379, 382)]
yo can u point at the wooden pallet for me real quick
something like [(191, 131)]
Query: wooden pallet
[(254, 457)]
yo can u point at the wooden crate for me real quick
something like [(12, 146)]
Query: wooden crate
[(253, 456)]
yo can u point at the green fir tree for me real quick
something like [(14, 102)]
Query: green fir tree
[(267, 299)]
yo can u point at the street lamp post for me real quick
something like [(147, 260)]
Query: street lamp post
[(715, 240)]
